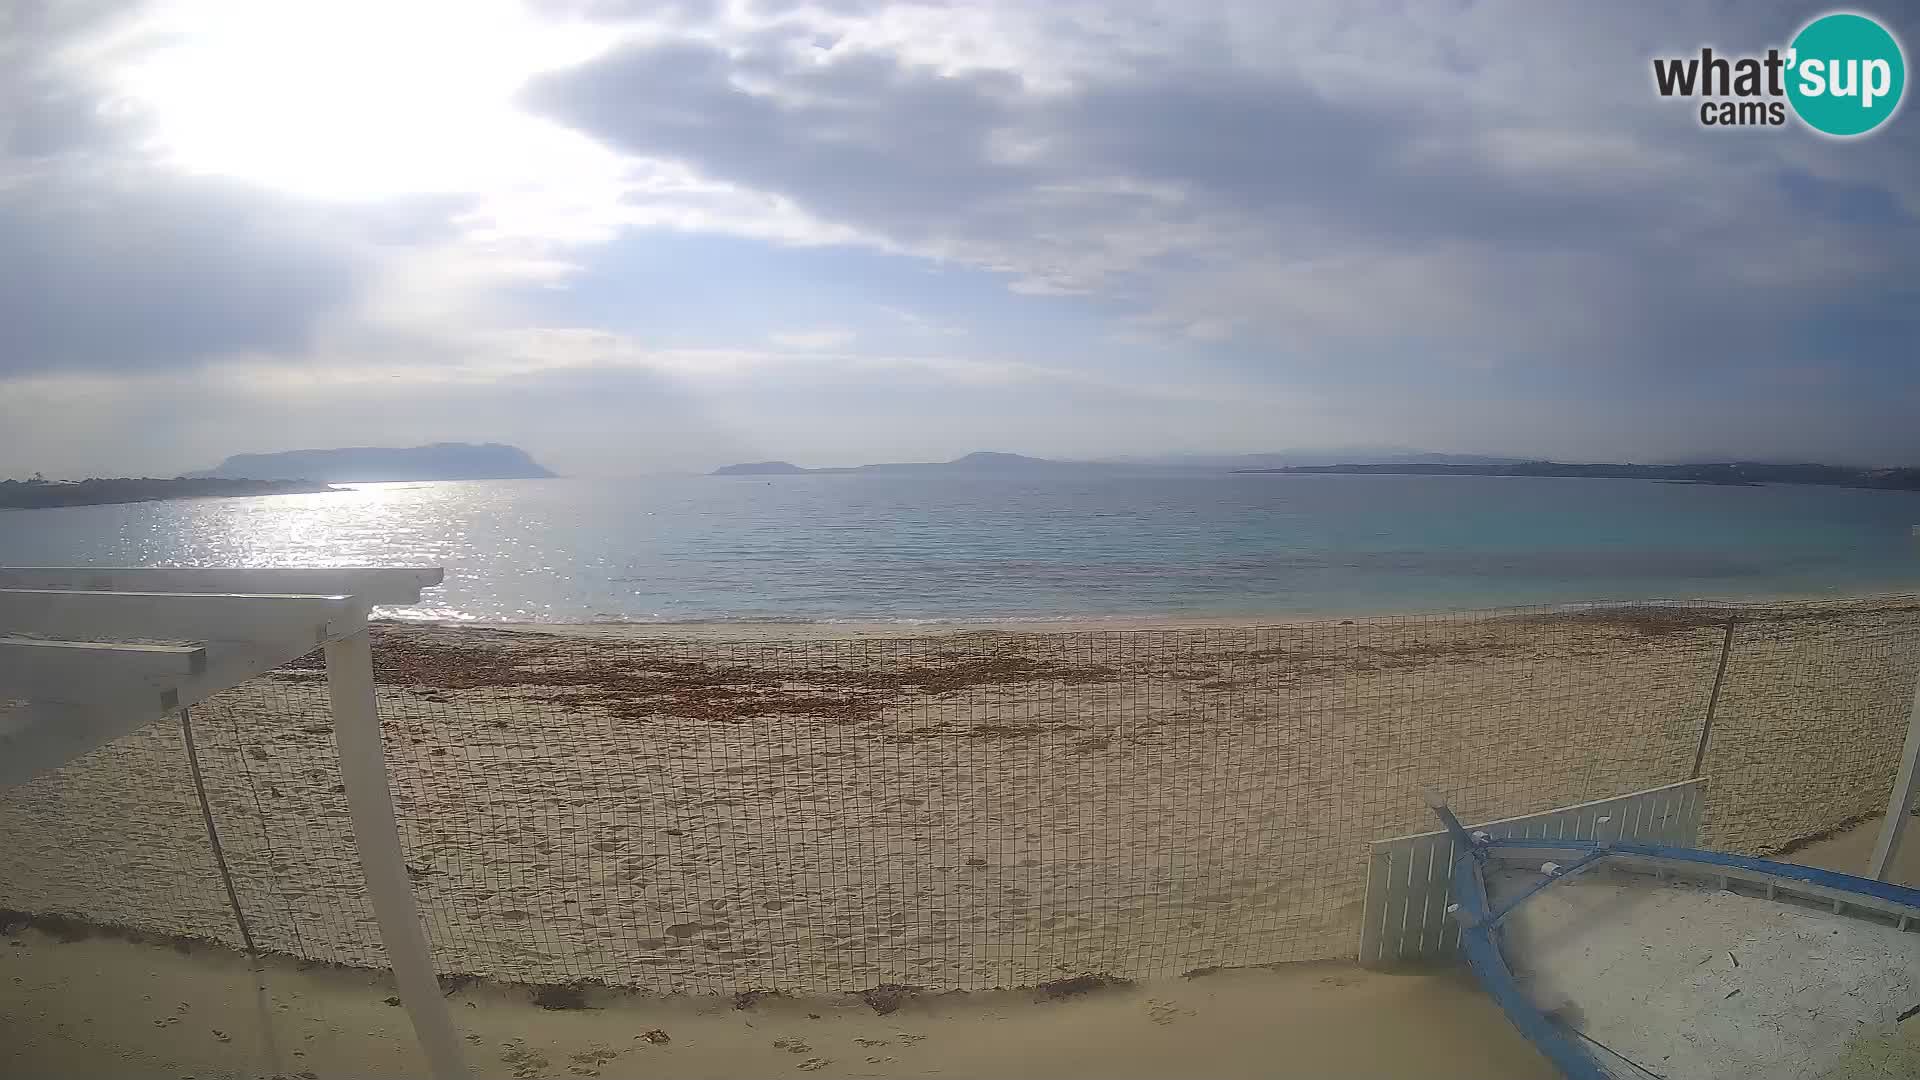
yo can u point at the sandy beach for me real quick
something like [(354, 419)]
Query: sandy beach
[(957, 810)]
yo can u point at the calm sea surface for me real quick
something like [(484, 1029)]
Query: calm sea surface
[(990, 547)]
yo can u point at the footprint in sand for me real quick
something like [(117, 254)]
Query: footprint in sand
[(1165, 1012), (815, 1064)]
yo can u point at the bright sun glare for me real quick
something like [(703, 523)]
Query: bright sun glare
[(349, 100)]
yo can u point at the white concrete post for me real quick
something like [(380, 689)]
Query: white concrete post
[(1900, 805), (363, 769)]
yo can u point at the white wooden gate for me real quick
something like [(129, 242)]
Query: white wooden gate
[(1409, 878)]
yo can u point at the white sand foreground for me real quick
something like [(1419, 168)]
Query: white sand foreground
[(102, 1006)]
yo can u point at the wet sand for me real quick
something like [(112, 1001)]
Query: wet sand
[(1850, 850), (955, 810)]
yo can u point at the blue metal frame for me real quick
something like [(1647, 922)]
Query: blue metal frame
[(1480, 922), (1832, 879)]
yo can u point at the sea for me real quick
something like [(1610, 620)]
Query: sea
[(988, 547)]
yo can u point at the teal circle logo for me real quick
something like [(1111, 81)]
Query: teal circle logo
[(1845, 74)]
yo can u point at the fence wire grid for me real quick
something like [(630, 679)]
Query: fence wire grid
[(954, 811)]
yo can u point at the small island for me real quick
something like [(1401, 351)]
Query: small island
[(41, 494), (760, 468), (976, 462)]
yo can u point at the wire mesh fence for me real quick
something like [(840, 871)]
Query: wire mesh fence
[(950, 811)]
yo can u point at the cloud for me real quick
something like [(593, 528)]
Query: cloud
[(136, 270), (47, 113), (1497, 183), (1172, 224), (112, 262), (598, 403), (812, 340)]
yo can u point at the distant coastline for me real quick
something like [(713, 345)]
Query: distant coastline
[(1418, 463), (44, 495), (987, 461), (980, 461), (1722, 474)]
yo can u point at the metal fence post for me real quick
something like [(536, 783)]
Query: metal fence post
[(213, 834)]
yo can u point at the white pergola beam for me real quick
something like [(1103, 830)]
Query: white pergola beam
[(374, 584), (37, 669), (81, 664), (230, 638), (41, 736), (181, 617), (54, 727)]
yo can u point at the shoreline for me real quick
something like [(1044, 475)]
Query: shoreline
[(128, 491), (817, 629)]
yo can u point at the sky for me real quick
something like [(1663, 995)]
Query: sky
[(643, 237)]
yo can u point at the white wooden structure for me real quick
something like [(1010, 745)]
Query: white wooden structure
[(1906, 788), (89, 654), (1404, 918)]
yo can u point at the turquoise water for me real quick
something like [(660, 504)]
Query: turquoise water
[(1058, 545)]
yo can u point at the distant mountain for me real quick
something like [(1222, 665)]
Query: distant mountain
[(372, 464), (979, 461), (760, 468), (987, 461), (1354, 455), (1736, 473)]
